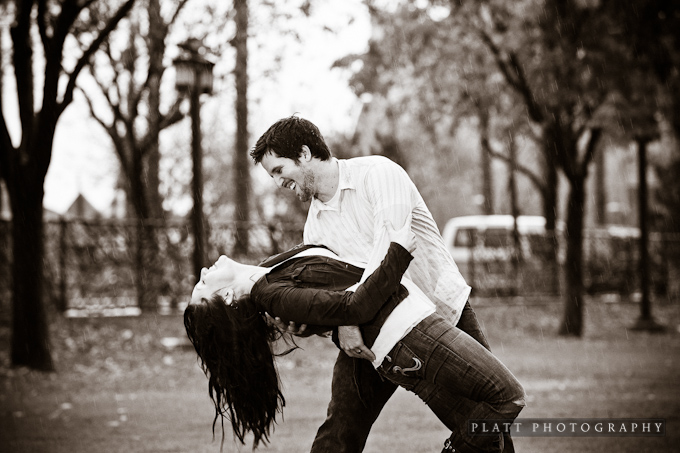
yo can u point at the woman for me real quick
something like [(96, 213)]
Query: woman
[(226, 322)]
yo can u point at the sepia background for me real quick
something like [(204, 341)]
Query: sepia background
[(124, 168)]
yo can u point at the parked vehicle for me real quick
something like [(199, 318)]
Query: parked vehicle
[(483, 248), (489, 237)]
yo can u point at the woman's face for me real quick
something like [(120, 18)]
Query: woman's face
[(219, 276)]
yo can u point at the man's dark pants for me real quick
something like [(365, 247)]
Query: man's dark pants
[(350, 415)]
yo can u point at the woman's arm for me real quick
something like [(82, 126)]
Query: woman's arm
[(335, 308)]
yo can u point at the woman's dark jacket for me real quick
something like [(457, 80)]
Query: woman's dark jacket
[(311, 290)]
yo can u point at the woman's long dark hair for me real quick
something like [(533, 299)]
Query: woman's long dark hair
[(234, 345)]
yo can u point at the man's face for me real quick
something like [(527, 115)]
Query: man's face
[(289, 174)]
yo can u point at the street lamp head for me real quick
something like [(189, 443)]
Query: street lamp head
[(192, 70)]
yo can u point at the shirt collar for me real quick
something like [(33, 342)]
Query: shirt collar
[(345, 182)]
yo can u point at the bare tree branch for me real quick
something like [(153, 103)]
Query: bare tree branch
[(122, 113), (128, 61), (42, 26), (580, 131), (180, 6), (173, 116), (93, 113), (561, 150), (22, 58), (68, 15), (118, 141), (115, 107), (533, 177), (525, 90), (498, 57), (5, 147), (85, 58), (514, 74), (5, 139), (591, 149), (115, 85)]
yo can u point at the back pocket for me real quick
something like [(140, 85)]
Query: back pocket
[(403, 367)]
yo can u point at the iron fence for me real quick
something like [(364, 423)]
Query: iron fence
[(92, 267), (610, 265)]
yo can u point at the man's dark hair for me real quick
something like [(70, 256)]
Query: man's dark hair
[(286, 137)]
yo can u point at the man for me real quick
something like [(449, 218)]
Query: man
[(351, 200)]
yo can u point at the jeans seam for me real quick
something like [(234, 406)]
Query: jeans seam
[(448, 347)]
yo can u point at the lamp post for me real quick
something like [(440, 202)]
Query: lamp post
[(193, 77), (644, 130), (646, 321)]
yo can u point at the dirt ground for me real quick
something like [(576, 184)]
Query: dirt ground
[(118, 389)]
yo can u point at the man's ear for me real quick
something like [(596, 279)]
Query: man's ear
[(227, 294), (306, 154)]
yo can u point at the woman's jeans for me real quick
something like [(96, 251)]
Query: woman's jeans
[(351, 416), (440, 363)]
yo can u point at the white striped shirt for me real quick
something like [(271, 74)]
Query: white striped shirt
[(373, 190)]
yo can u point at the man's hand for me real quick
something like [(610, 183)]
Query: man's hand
[(352, 343), (290, 328)]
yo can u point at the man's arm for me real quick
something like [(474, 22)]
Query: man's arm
[(389, 192)]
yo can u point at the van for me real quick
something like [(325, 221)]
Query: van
[(489, 237), (482, 246)]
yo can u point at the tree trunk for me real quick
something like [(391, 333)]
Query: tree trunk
[(572, 323), (600, 189), (241, 160), (674, 90), (550, 196), (30, 337), (487, 174), (151, 271), (550, 211), (24, 168), (147, 268), (512, 192), (514, 211), (145, 249), (156, 45)]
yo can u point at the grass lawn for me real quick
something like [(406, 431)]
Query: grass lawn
[(117, 389)]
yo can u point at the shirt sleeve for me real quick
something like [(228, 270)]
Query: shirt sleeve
[(336, 308), (389, 190)]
